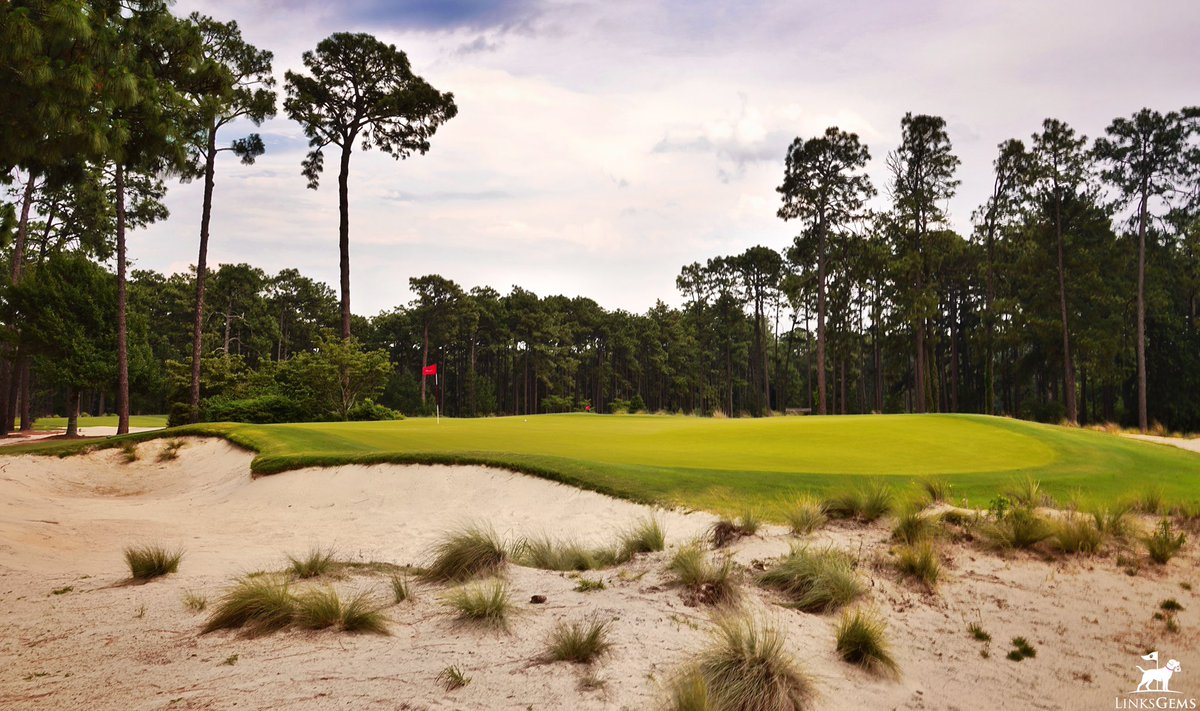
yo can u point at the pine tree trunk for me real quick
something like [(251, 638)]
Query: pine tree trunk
[(821, 398), (201, 274), (26, 393), (73, 412), (122, 328), (1068, 365), (344, 235), (1143, 418)]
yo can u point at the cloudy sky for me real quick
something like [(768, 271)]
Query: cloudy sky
[(600, 146)]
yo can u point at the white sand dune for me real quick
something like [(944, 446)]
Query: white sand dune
[(98, 644)]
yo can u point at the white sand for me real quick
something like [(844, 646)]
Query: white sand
[(1192, 445), (104, 645)]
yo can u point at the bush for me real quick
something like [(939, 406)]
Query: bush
[(369, 411), (260, 409), (1164, 543), (152, 561), (579, 642), (815, 581), (746, 668), (470, 552), (862, 640), (1017, 527), (805, 515), (637, 404)]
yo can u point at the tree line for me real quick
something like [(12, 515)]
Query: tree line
[(1073, 297)]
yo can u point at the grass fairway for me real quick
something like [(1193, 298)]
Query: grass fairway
[(726, 464), (44, 424)]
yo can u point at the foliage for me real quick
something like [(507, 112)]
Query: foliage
[(805, 514), (151, 561), (258, 605), (814, 581), (470, 552), (1164, 543), (862, 640), (580, 642), (485, 603), (920, 561)]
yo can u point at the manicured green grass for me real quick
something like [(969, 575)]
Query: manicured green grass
[(43, 424), (729, 465)]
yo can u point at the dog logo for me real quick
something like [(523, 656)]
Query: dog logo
[(1158, 679)]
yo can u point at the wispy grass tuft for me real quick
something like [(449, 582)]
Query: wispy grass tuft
[(318, 609), (1164, 543), (470, 552), (452, 678), (707, 582), (589, 585), (401, 590), (1114, 523), (170, 450), (978, 633), (257, 605), (867, 502), (805, 514), (129, 452), (1018, 527), (315, 563), (1076, 534), (935, 489), (815, 581), (546, 554), (151, 561), (920, 562), (362, 613), (1028, 492), (862, 640), (746, 668), (914, 525), (196, 602), (580, 642), (485, 602), (645, 537)]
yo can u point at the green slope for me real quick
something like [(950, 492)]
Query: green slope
[(726, 464)]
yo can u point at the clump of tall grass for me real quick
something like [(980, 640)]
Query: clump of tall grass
[(805, 514), (469, 552), (814, 581), (936, 489), (1076, 534), (747, 668), (1114, 523), (1164, 543), (706, 582), (867, 502), (151, 561), (401, 590), (362, 613), (1149, 500), (257, 605), (645, 537), (580, 642), (318, 609), (920, 562), (546, 554), (129, 452), (315, 563), (170, 450), (194, 601), (862, 640), (484, 602), (1016, 527), (452, 678), (727, 530), (1028, 492), (914, 525)]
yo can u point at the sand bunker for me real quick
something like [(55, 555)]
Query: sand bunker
[(72, 636)]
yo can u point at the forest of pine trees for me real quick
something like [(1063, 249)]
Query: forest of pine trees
[(1074, 297)]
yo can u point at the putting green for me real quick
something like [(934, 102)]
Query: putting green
[(724, 464)]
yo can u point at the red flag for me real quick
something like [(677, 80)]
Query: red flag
[(429, 370)]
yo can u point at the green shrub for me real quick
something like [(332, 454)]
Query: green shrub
[(814, 581), (260, 409), (369, 411), (1164, 543), (920, 562), (805, 515), (579, 642), (470, 552), (862, 640), (485, 603), (151, 561), (258, 604)]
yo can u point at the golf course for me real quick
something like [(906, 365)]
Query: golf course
[(725, 465)]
